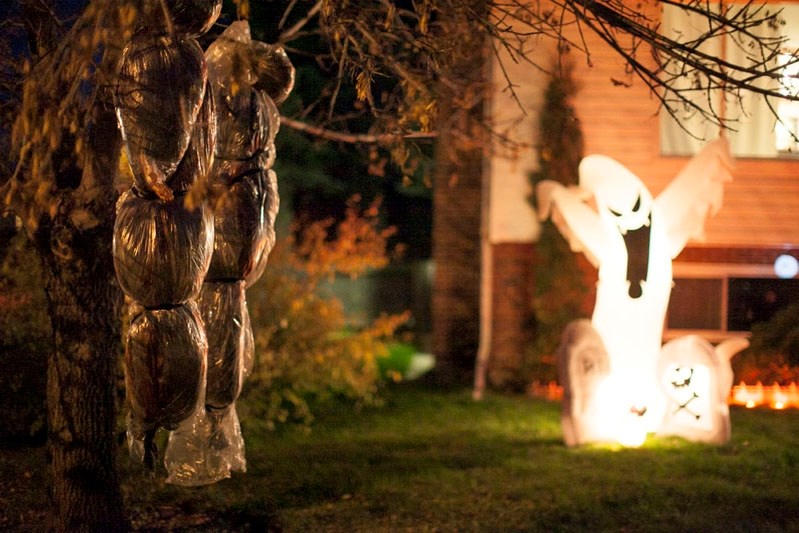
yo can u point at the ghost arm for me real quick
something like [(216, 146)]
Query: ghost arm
[(579, 224), (695, 194), (725, 351)]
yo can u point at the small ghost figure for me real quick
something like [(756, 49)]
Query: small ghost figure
[(632, 239), (696, 380)]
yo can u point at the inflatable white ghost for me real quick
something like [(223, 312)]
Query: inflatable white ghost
[(632, 238)]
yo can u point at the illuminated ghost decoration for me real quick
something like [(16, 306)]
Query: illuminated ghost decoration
[(696, 379), (632, 238)]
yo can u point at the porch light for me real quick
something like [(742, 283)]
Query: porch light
[(786, 266)]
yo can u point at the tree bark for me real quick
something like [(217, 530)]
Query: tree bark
[(456, 254), (84, 303), (73, 238), (456, 209)]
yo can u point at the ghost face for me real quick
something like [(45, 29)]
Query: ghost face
[(632, 217), (626, 205), (624, 201)]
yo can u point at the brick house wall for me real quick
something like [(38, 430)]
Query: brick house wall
[(513, 284)]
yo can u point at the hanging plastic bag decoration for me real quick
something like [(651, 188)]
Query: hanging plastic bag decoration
[(206, 448), (165, 362), (248, 79), (241, 71), (161, 249), (159, 94)]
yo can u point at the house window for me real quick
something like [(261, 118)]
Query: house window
[(696, 304), (754, 300), (716, 307), (786, 129), (754, 130)]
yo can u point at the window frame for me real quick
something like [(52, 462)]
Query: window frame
[(715, 271), (674, 141)]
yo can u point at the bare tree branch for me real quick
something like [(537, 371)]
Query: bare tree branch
[(294, 30), (355, 138)]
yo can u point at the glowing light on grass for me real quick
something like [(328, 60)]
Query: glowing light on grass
[(775, 396), (779, 399), (747, 396), (616, 420)]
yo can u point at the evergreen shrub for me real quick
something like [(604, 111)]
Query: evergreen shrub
[(773, 352)]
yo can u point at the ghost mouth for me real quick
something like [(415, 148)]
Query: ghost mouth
[(637, 243)]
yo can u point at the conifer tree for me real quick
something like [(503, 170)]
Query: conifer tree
[(560, 287)]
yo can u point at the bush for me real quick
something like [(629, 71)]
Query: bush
[(560, 284), (303, 351), (24, 343), (773, 353)]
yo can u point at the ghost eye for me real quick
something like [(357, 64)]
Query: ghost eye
[(635, 208)]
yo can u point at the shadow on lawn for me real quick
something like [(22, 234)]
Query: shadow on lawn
[(429, 460)]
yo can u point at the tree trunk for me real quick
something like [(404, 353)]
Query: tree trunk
[(456, 254), (84, 306), (456, 211), (73, 238)]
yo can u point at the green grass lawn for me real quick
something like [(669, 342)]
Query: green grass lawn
[(438, 461)]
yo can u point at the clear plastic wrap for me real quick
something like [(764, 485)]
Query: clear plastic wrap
[(161, 249), (166, 113), (270, 202), (222, 308), (229, 55), (208, 446), (199, 156), (193, 17), (247, 122), (247, 78), (205, 449), (274, 71), (226, 438), (244, 226), (160, 90), (248, 344), (165, 369), (247, 118)]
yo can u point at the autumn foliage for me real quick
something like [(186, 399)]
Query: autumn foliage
[(304, 352)]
